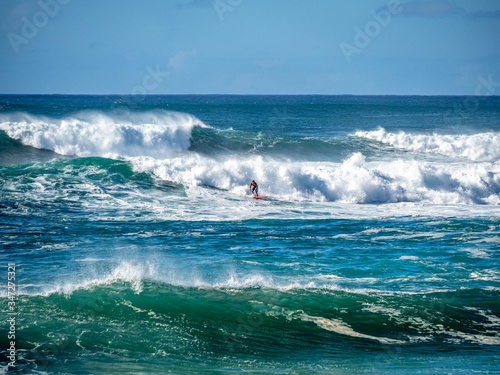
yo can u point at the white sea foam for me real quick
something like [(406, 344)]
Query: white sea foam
[(353, 181), (155, 133), (156, 142), (342, 328), (429, 329), (477, 253), (486, 275), (453, 335), (408, 257), (477, 147)]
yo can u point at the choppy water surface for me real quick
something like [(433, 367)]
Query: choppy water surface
[(139, 249)]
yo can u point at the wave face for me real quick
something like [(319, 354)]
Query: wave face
[(222, 321)]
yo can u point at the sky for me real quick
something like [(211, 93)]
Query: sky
[(365, 47)]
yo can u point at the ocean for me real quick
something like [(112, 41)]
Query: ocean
[(132, 243)]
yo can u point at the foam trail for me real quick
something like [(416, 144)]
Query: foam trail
[(123, 134), (338, 326), (476, 147)]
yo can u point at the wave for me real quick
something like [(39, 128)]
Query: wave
[(129, 184), (13, 152), (122, 134), (353, 181), (132, 183), (137, 277), (476, 147), (132, 296), (155, 133), (180, 150)]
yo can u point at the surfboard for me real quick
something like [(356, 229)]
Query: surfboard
[(261, 197)]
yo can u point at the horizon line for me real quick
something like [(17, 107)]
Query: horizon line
[(215, 94)]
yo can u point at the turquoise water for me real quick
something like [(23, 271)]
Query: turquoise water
[(138, 247)]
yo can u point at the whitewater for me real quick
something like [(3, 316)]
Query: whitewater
[(159, 143), (138, 247)]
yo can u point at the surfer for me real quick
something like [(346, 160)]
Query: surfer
[(254, 188)]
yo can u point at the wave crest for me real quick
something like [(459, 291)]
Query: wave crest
[(476, 147), (125, 134)]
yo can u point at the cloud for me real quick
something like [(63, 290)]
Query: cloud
[(442, 8)]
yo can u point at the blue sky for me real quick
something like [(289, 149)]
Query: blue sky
[(375, 47)]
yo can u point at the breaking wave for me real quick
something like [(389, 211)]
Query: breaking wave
[(355, 180), (124, 134), (179, 148), (476, 147), (132, 296)]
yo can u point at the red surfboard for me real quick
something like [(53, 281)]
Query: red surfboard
[(261, 197)]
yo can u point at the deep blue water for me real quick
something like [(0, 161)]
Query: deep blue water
[(139, 249)]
